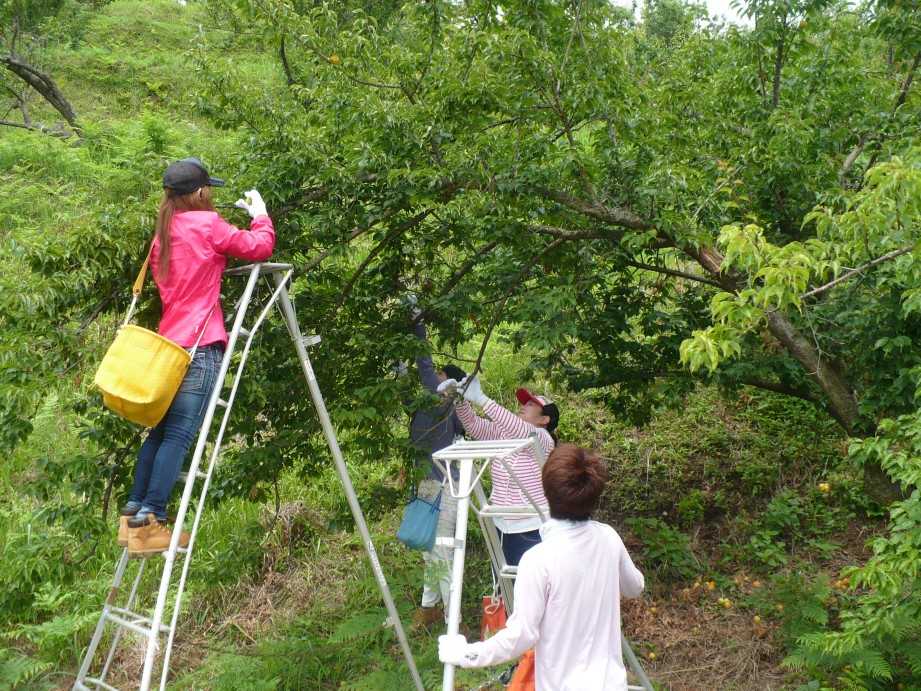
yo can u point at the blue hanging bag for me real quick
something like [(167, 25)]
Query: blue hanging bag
[(417, 531)]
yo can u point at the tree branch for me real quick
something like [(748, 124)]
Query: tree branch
[(795, 392), (853, 272), (581, 234), (675, 273), (617, 217), (45, 85)]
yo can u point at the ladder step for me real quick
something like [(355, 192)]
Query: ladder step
[(490, 511), (99, 684), (449, 542), (221, 403), (135, 624), (244, 332), (199, 475)]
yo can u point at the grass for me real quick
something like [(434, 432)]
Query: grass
[(290, 596)]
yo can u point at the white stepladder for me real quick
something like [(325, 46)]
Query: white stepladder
[(151, 627), (472, 459)]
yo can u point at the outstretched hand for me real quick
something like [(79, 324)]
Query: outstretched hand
[(473, 392), (252, 204)]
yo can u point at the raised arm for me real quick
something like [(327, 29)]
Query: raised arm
[(255, 244), (477, 427)]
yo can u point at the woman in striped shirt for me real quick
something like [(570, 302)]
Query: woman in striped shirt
[(537, 414)]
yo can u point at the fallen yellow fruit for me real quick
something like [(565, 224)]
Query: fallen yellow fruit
[(334, 59)]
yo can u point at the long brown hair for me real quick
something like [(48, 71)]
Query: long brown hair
[(199, 200)]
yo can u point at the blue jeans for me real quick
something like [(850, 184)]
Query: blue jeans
[(163, 452), (516, 544)]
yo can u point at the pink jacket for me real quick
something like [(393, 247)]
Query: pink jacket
[(200, 242)]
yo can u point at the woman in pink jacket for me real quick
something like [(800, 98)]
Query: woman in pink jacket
[(188, 257)]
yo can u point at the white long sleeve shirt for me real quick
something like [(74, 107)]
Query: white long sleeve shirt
[(567, 606), (504, 424)]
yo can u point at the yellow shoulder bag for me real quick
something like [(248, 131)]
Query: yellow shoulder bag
[(141, 371)]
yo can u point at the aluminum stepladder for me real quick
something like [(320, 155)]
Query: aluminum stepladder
[(153, 626), (471, 497)]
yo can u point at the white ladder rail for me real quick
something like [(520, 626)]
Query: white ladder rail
[(394, 618), (216, 446), (170, 554), (152, 627)]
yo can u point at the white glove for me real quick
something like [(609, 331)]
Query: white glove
[(452, 650), (446, 386), (253, 204), (470, 385), (413, 303)]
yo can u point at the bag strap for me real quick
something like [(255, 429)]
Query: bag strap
[(139, 285)]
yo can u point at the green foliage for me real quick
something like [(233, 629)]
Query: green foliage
[(18, 671), (878, 626), (665, 549), (551, 180)]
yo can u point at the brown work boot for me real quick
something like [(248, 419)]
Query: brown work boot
[(147, 536), (426, 617), (125, 512)]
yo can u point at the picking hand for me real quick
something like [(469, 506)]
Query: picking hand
[(252, 204), (412, 302), (470, 385), (448, 387)]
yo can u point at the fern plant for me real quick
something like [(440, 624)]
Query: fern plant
[(877, 634), (19, 671)]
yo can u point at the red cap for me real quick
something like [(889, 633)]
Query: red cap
[(547, 406)]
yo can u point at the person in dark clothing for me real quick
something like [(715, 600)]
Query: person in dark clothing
[(432, 430)]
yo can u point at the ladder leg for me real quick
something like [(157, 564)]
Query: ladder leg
[(496, 555), (295, 333), (630, 657), (171, 552), (457, 568), (118, 630), (100, 627)]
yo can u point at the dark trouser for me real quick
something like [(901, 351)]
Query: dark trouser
[(163, 452), (516, 544)]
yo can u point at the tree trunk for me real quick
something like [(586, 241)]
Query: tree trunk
[(45, 85), (839, 400)]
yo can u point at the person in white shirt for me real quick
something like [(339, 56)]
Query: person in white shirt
[(568, 589)]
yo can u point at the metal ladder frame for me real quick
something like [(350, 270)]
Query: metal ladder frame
[(151, 627), (471, 496)]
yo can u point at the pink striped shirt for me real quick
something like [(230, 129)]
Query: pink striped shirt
[(199, 244), (504, 424)]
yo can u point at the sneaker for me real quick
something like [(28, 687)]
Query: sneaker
[(426, 617), (147, 536), (125, 512)]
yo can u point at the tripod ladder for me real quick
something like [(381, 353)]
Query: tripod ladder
[(151, 627), (473, 458)]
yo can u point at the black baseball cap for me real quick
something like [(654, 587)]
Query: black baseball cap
[(547, 407), (187, 176), (453, 372)]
